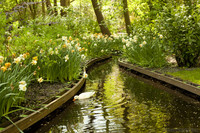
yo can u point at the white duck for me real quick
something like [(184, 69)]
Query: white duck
[(84, 95)]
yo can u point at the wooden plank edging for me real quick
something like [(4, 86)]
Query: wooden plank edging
[(161, 77), (34, 117)]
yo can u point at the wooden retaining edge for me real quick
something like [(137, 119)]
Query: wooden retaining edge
[(34, 117), (161, 77)]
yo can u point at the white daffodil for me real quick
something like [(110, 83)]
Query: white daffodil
[(83, 56), (85, 75), (41, 51), (64, 38), (34, 62), (124, 47), (66, 58), (22, 87), (22, 57), (17, 60), (161, 36), (22, 82), (144, 42), (40, 80)]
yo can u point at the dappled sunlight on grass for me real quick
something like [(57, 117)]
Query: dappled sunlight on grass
[(190, 75)]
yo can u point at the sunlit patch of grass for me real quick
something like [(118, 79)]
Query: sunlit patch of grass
[(190, 75)]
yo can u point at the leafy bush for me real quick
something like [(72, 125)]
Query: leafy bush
[(181, 28)]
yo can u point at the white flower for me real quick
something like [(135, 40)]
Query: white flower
[(123, 40), (83, 56), (41, 51), (143, 37), (34, 62), (124, 47), (128, 44), (17, 60), (144, 42), (40, 80), (102, 51), (95, 44), (64, 38), (51, 51), (21, 56), (22, 82), (85, 75), (56, 51), (66, 58), (22, 87), (161, 36), (141, 45)]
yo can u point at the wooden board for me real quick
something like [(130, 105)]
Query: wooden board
[(172, 81)]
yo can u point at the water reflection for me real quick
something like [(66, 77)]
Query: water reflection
[(125, 104)]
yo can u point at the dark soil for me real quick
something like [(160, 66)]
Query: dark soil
[(36, 95)]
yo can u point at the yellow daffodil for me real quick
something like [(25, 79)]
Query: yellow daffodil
[(7, 65), (70, 38), (3, 68), (35, 58)]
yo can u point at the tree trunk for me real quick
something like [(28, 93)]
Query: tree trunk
[(43, 9), (64, 3), (126, 17), (100, 19), (48, 4), (55, 5)]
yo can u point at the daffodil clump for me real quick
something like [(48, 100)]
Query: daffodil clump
[(15, 75), (60, 61), (99, 45), (144, 50)]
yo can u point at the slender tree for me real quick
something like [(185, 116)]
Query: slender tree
[(100, 19), (43, 9), (126, 17), (64, 3), (55, 5), (48, 4)]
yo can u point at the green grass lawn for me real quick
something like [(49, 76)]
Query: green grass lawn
[(192, 75)]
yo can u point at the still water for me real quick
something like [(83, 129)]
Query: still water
[(126, 103)]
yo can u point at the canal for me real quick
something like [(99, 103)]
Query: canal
[(125, 103)]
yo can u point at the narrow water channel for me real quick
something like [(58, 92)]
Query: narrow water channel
[(124, 104)]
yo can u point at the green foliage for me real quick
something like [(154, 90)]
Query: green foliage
[(12, 89), (180, 26), (145, 51)]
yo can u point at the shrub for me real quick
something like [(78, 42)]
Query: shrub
[(180, 26)]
